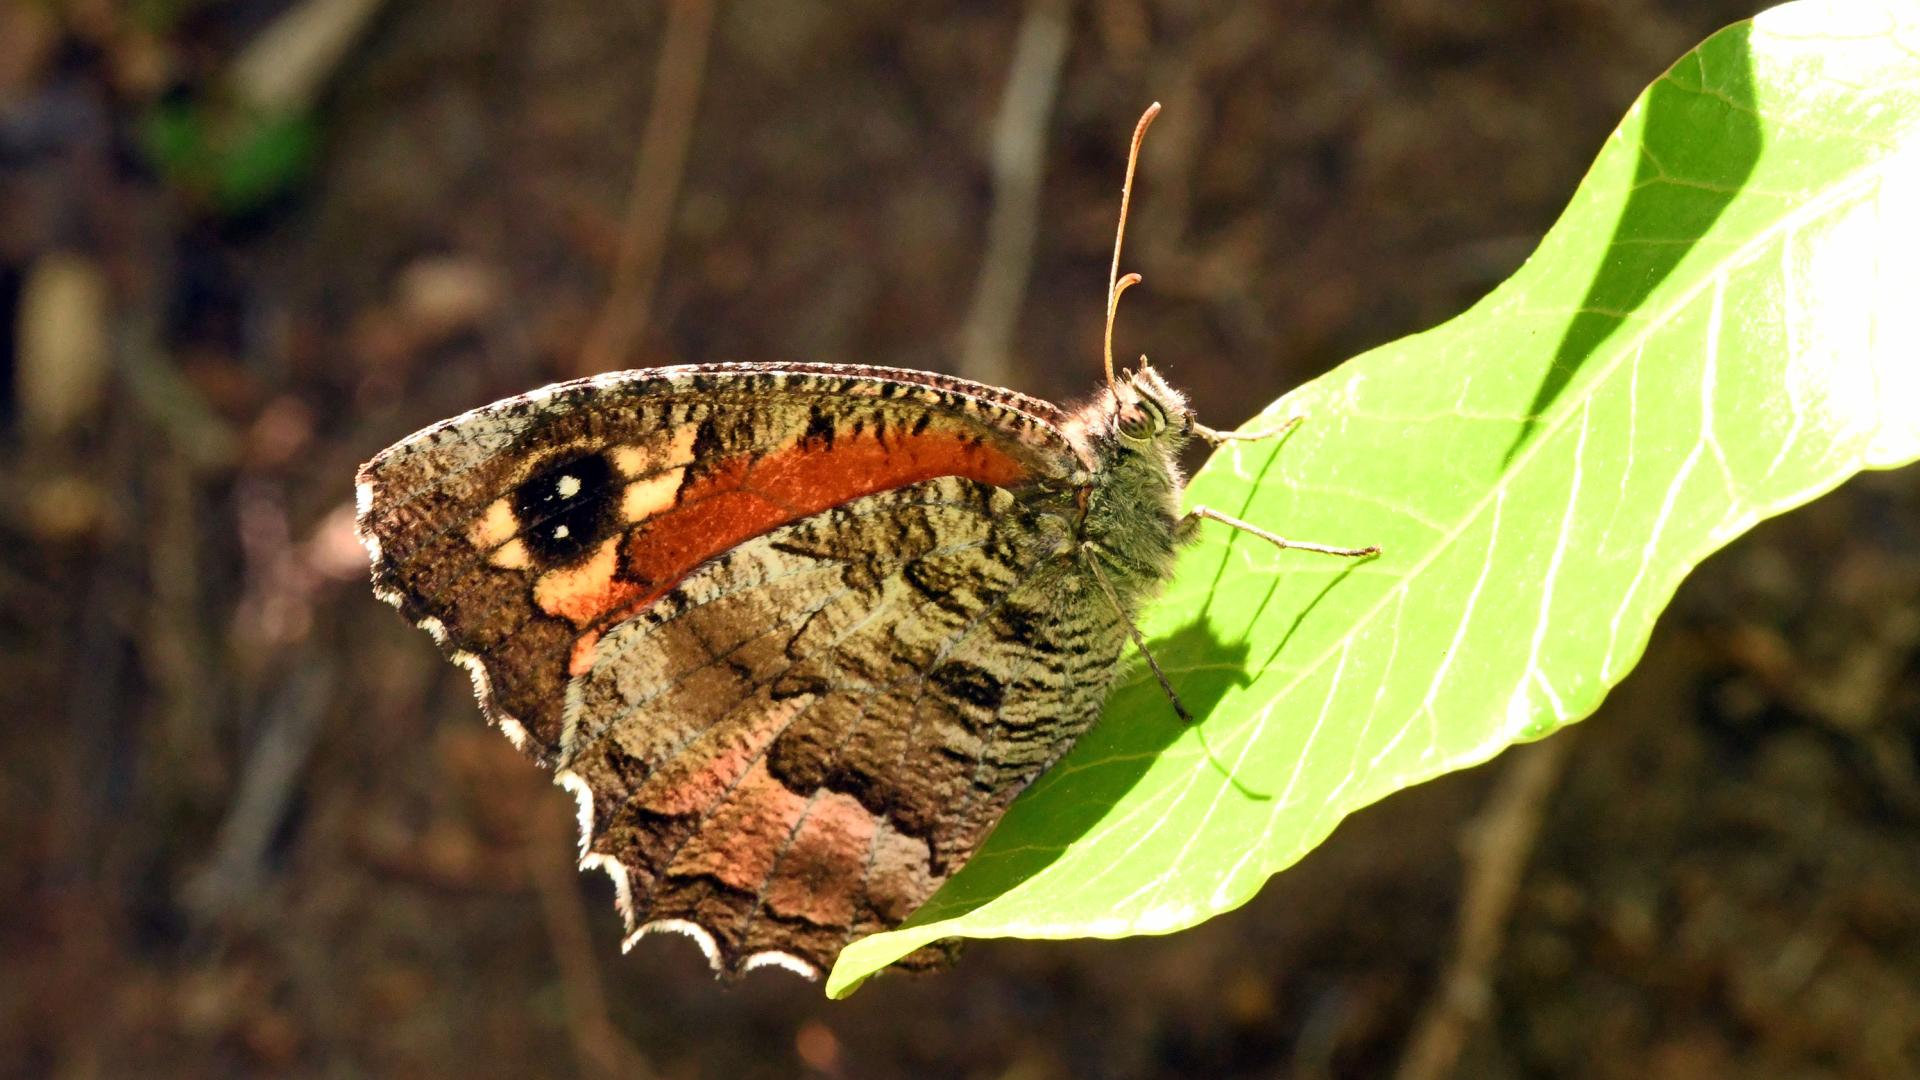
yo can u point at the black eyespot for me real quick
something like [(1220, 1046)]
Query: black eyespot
[(566, 507)]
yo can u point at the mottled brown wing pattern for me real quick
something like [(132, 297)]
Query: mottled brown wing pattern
[(667, 468), (795, 636), (803, 740)]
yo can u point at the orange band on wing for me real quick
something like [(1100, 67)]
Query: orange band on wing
[(739, 499)]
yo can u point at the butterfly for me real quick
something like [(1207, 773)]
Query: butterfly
[(793, 635)]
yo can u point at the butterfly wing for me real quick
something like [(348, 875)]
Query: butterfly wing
[(814, 730), (733, 600), (517, 533)]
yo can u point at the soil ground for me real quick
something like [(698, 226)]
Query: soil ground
[(254, 826)]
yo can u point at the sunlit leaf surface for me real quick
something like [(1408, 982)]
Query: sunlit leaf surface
[(1724, 324)]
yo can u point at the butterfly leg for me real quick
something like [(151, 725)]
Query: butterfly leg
[(1215, 438), (1139, 642), (1190, 523)]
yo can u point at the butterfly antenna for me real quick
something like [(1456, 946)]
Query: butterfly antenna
[(1115, 283)]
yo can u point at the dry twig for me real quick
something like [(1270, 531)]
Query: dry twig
[(656, 185), (286, 67), (600, 1047), (1496, 847), (266, 790), (1019, 151)]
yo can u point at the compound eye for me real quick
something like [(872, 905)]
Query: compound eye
[(1142, 420)]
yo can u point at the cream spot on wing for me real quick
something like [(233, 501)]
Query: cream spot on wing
[(562, 531), (645, 498), (675, 452), (495, 526), (569, 486), (511, 555), (680, 450), (629, 461), (581, 593)]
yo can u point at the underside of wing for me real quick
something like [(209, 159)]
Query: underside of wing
[(520, 533), (796, 745)]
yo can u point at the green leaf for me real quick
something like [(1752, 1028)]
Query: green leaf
[(233, 158), (1723, 325)]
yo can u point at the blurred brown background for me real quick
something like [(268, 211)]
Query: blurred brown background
[(253, 825)]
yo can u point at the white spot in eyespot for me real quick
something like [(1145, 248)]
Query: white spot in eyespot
[(561, 532), (568, 487)]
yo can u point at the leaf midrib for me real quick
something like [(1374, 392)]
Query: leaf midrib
[(1577, 403), (1710, 275), (1570, 404)]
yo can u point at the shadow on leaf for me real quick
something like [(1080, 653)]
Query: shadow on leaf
[(1698, 146), (1110, 759)]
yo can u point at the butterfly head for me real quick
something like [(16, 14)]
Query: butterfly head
[(1146, 413)]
